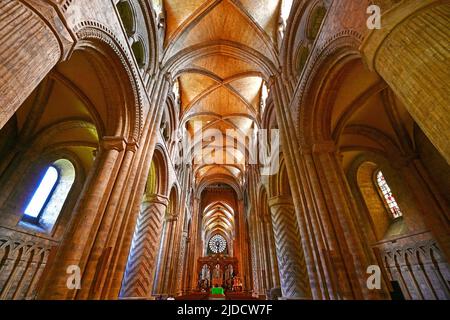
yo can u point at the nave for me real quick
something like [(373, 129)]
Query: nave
[(274, 149)]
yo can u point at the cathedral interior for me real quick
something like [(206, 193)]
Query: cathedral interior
[(279, 149)]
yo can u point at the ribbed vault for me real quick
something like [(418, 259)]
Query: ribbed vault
[(218, 218), (220, 51)]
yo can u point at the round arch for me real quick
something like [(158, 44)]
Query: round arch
[(113, 65), (157, 180), (312, 103)]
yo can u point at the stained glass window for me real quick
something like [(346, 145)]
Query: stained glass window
[(286, 7), (217, 244), (388, 196)]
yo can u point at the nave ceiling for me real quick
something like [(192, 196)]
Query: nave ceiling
[(214, 46)]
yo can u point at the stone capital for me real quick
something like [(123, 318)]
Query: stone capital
[(281, 201), (158, 198), (171, 217), (113, 143), (132, 145)]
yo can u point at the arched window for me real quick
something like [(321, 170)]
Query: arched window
[(127, 16), (176, 89), (139, 52), (389, 199), (157, 6), (264, 96), (286, 6), (315, 23), (42, 193), (302, 56), (49, 196)]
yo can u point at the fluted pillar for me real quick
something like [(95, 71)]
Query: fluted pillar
[(291, 262), (142, 259), (254, 254), (95, 272), (273, 269), (181, 262), (195, 249), (164, 267), (411, 54), (32, 41)]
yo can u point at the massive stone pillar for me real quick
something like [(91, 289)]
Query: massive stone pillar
[(340, 247), (257, 258), (334, 255), (32, 41), (291, 262), (142, 259), (122, 231), (195, 248), (87, 217), (411, 53), (253, 253), (102, 251), (164, 267), (240, 250), (182, 258)]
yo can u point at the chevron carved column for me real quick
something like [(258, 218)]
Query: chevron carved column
[(291, 262), (139, 273)]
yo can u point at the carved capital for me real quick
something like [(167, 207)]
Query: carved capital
[(281, 201), (113, 143), (132, 145), (158, 198), (172, 217)]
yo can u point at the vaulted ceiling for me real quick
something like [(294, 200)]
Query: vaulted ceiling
[(221, 87), (218, 217)]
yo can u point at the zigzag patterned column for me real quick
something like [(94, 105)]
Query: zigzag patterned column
[(291, 262), (140, 270)]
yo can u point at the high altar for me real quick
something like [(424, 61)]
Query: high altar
[(220, 270)]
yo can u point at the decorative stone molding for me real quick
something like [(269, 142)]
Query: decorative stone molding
[(88, 30), (23, 260), (113, 143), (346, 42), (413, 261)]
